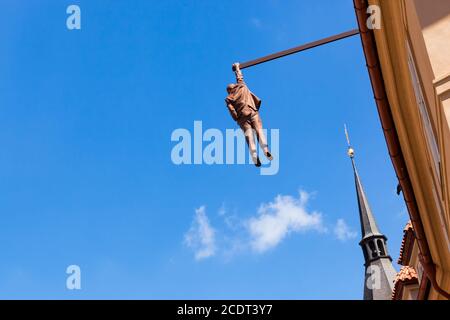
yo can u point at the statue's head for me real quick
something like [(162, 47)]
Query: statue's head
[(230, 88)]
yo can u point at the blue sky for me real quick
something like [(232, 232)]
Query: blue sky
[(86, 176)]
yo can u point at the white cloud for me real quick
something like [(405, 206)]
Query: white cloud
[(272, 223), (343, 232), (276, 219), (201, 236)]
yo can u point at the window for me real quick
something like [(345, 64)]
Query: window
[(373, 249), (381, 247), (366, 257), (426, 122)]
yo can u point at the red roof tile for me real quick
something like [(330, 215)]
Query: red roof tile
[(407, 275), (408, 236)]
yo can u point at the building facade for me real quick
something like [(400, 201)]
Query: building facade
[(408, 60)]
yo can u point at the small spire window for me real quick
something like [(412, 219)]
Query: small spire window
[(381, 247), (373, 249)]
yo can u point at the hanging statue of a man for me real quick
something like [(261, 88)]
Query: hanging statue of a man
[(244, 109)]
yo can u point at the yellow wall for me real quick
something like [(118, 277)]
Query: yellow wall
[(406, 24)]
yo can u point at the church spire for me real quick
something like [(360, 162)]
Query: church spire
[(379, 271), (368, 224)]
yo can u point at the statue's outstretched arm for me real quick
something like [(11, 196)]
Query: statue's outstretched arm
[(238, 73)]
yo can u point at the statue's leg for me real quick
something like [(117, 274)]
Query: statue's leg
[(246, 127), (257, 126)]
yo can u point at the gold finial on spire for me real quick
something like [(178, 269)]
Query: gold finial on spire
[(350, 151)]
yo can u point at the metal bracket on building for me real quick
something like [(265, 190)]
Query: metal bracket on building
[(299, 49)]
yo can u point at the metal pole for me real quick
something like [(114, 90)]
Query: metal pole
[(298, 49)]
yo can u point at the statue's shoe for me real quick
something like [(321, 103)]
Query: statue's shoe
[(256, 161), (269, 155)]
